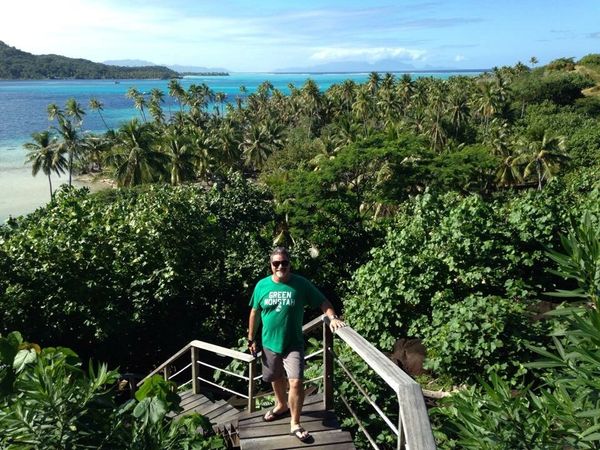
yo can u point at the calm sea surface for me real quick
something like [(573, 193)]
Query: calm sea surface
[(23, 111)]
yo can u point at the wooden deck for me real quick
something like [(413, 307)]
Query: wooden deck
[(248, 431), (255, 434)]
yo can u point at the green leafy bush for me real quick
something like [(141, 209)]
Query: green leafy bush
[(111, 274), (48, 401), (559, 87), (449, 258), (592, 59), (486, 332), (562, 409)]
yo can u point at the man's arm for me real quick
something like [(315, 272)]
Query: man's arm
[(334, 321), (253, 324)]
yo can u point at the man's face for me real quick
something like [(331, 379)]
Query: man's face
[(280, 266)]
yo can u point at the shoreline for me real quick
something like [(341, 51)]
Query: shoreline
[(24, 193)]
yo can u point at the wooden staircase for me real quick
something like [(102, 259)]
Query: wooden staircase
[(247, 431), (255, 434)]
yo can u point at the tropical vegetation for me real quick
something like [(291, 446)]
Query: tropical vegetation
[(16, 64), (440, 210)]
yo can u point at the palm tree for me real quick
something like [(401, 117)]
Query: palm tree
[(533, 61), (70, 143), (239, 99), (96, 105), (220, 98), (361, 108), (138, 100), (311, 101), (182, 160), (154, 106), (74, 110), (373, 82), (226, 143), (347, 93), (44, 155), (94, 149), (177, 92), (485, 103), (259, 141), (388, 104), (508, 174), (405, 89), (134, 158), (542, 155)]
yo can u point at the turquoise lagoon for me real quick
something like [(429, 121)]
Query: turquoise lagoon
[(23, 111)]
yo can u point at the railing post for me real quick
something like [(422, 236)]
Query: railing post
[(327, 365), (195, 382), (251, 375), (400, 442), (166, 373)]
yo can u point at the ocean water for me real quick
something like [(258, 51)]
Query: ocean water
[(23, 107)]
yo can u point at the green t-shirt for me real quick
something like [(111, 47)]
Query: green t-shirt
[(281, 307)]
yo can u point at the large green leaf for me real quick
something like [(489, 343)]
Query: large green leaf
[(150, 410), (24, 357)]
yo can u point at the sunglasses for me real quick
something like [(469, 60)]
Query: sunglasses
[(283, 263)]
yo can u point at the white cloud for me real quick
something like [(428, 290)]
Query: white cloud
[(459, 58), (372, 54)]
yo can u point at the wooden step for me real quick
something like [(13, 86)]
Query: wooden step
[(255, 434), (219, 412), (330, 440)]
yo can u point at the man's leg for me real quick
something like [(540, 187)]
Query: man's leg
[(296, 401), (294, 367), (279, 387)]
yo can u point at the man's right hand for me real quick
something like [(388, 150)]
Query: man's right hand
[(253, 348)]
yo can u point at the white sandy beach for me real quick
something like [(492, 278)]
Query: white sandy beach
[(21, 193)]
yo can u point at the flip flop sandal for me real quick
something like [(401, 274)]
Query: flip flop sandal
[(271, 415), (301, 434)]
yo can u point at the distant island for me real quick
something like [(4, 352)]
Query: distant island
[(182, 70), (16, 64), (205, 74)]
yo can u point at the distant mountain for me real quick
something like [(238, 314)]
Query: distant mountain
[(175, 67), (385, 65), (16, 64)]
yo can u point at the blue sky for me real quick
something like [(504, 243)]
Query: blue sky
[(267, 35)]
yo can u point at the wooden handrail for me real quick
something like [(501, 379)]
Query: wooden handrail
[(414, 429), (201, 345), (413, 420), (317, 322)]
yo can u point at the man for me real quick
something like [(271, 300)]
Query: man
[(280, 299)]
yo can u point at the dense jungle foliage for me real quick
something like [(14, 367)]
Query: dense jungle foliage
[(443, 210), (19, 65)]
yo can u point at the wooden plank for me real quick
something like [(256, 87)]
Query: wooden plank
[(203, 409), (166, 363), (331, 440), (381, 364), (313, 324), (220, 410), (416, 428), (186, 394), (246, 357), (206, 408), (415, 420), (225, 417), (308, 403), (203, 346), (306, 416), (327, 368), (283, 428), (193, 402)]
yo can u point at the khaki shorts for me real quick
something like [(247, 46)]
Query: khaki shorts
[(276, 365)]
